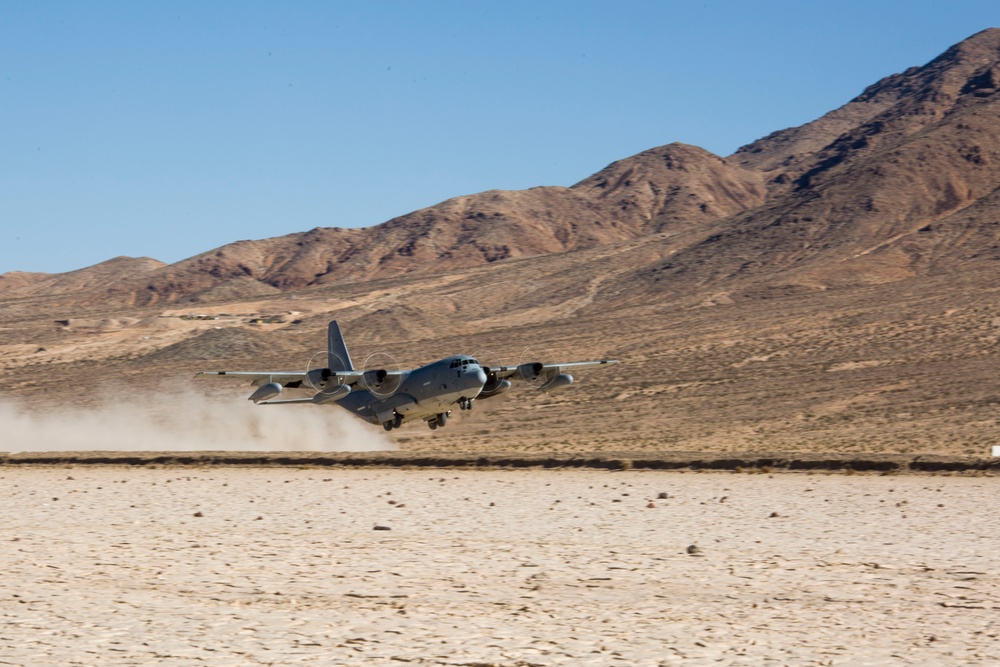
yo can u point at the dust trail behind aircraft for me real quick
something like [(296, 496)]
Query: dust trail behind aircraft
[(182, 421)]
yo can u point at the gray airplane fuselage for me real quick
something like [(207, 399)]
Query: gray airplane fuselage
[(392, 397), (419, 394)]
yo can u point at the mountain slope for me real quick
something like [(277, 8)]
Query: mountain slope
[(870, 206), (671, 188), (896, 106), (91, 278), (866, 194)]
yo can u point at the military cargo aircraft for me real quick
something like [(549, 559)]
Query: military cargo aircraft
[(393, 397)]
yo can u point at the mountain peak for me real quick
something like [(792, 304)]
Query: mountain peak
[(985, 41), (891, 109)]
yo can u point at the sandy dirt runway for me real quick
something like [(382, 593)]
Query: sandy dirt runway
[(241, 566)]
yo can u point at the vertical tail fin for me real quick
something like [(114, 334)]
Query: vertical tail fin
[(337, 356)]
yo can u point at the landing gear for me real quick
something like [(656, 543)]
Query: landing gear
[(465, 403), (439, 420), (395, 422)]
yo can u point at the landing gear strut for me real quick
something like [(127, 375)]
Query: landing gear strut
[(440, 420), (395, 422)]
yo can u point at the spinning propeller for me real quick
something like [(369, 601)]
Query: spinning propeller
[(381, 374), (323, 380), (529, 369)]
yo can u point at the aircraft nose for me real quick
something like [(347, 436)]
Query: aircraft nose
[(480, 376)]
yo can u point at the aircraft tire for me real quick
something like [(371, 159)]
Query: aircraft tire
[(433, 424), (442, 419), (387, 426)]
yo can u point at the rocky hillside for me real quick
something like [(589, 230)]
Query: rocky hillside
[(898, 182)]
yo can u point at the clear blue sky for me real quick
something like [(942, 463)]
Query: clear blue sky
[(168, 129)]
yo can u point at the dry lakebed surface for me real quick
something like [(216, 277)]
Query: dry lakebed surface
[(109, 565)]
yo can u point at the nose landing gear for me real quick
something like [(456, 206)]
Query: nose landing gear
[(465, 403)]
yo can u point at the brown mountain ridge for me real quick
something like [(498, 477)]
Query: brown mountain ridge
[(910, 151), (670, 188)]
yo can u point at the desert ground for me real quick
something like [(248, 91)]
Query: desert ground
[(282, 566), (908, 368)]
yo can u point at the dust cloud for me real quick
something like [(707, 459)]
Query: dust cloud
[(186, 421)]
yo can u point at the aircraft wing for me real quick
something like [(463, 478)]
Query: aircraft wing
[(255, 377), (285, 378), (532, 370)]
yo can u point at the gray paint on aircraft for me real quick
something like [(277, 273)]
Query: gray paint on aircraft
[(392, 398)]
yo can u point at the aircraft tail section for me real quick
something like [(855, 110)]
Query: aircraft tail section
[(337, 356)]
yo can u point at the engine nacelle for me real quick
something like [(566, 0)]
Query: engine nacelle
[(494, 387), (381, 382), (558, 382), (266, 392), (374, 379), (530, 371), (328, 394), (318, 377)]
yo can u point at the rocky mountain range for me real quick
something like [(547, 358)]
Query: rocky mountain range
[(892, 184), (872, 222)]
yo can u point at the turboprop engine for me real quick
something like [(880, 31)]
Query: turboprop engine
[(558, 382), (318, 377), (380, 382), (374, 379), (266, 392), (327, 387), (331, 392), (536, 372), (494, 386), (530, 371)]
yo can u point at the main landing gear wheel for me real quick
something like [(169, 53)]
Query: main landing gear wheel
[(395, 422), (440, 420)]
